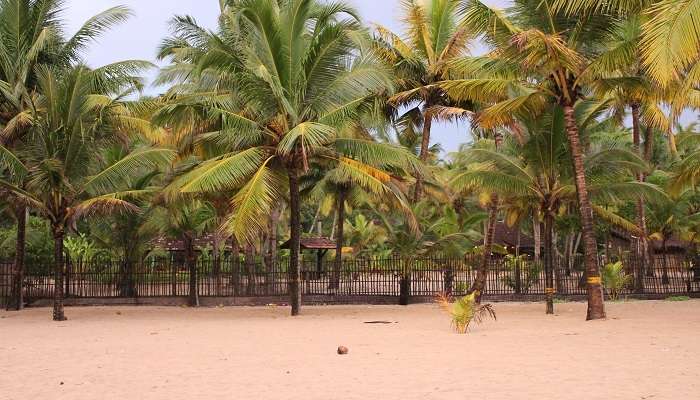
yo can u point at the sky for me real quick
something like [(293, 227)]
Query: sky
[(139, 37)]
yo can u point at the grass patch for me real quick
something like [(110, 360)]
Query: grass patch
[(677, 298)]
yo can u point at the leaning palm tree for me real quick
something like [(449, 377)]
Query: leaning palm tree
[(31, 36), (280, 80), (78, 113), (421, 58)]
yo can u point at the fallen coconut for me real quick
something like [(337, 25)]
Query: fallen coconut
[(342, 350)]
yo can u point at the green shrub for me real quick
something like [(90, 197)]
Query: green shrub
[(677, 298), (615, 279), (529, 272)]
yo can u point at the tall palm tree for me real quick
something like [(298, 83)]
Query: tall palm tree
[(31, 36), (421, 58), (281, 80), (537, 58), (78, 113)]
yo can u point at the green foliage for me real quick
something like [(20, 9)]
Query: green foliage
[(677, 298), (465, 310), (286, 89), (529, 272), (80, 248), (365, 237), (39, 243), (615, 279)]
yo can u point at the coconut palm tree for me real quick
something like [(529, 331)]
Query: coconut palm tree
[(187, 219), (281, 80), (538, 57), (78, 113), (536, 173), (127, 234), (353, 184), (669, 33), (421, 58), (31, 35), (686, 172)]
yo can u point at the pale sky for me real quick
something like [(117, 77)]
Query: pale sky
[(139, 37)]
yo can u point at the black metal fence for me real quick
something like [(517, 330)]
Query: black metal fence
[(361, 278)]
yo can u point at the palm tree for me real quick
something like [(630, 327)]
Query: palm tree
[(535, 173), (31, 36), (538, 58), (128, 234), (686, 171), (356, 184), (281, 80), (187, 219), (669, 34), (78, 113), (433, 39)]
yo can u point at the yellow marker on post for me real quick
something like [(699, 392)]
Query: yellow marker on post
[(594, 280)]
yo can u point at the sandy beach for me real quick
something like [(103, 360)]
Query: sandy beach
[(644, 350)]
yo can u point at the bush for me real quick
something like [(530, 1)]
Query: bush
[(465, 310), (529, 272), (615, 279)]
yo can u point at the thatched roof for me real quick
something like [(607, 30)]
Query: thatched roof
[(673, 244), (206, 240), (508, 237), (313, 243)]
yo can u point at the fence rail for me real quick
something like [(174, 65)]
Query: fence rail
[(424, 276)]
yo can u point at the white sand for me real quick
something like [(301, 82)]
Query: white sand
[(645, 350)]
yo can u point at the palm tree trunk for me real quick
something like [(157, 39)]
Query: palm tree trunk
[(191, 260), (17, 297), (424, 149), (126, 282), (568, 244), (339, 236), (642, 252), (250, 268), (664, 274), (272, 245), (672, 143), (216, 264), (294, 243), (596, 306), (58, 314), (549, 261), (648, 143), (537, 236), (480, 281), (235, 266)]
